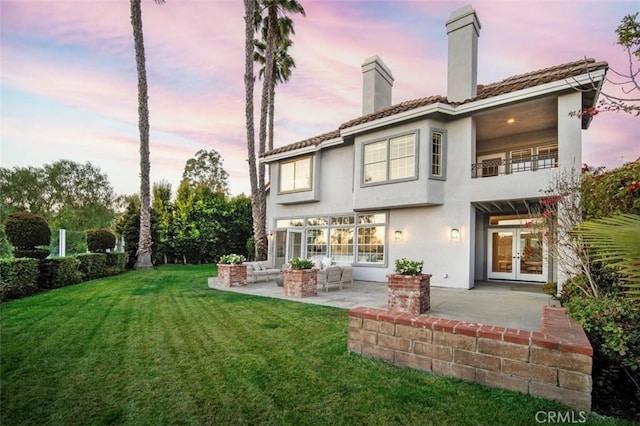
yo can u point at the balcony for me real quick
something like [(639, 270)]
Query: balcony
[(504, 166)]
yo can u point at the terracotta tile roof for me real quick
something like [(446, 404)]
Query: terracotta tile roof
[(511, 84), (536, 78), (394, 109), (316, 140)]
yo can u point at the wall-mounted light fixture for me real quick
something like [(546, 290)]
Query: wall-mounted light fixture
[(455, 234), (398, 235)]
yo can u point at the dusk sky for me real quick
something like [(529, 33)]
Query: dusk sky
[(69, 85)]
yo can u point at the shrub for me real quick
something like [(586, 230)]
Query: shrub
[(59, 272), (93, 265), (116, 262), (232, 259), (612, 322), (299, 263), (32, 253), (100, 240), (27, 230), (18, 278), (405, 266)]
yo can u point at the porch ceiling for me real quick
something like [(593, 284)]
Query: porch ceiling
[(526, 205), (527, 117)]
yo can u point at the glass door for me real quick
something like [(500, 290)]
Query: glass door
[(502, 254), (516, 254), (294, 243), (280, 248), (530, 256)]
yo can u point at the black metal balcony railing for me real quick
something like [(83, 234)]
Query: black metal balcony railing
[(499, 166)]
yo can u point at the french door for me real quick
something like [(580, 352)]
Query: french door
[(294, 243), (516, 254)]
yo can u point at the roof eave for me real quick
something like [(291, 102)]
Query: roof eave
[(301, 151)]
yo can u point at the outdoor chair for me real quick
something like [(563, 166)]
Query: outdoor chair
[(331, 275)]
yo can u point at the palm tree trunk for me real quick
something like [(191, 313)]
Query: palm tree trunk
[(144, 243), (258, 202)]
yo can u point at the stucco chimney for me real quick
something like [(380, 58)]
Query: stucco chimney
[(463, 29), (377, 82)]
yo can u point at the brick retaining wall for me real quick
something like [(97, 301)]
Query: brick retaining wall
[(553, 363)]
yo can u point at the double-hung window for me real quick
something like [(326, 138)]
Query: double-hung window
[(438, 150), (295, 175), (390, 160), (547, 156)]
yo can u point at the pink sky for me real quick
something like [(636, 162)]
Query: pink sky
[(68, 87)]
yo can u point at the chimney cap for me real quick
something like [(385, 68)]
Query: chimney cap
[(374, 62), (462, 17)]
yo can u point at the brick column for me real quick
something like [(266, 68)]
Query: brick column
[(300, 282), (232, 275), (409, 293)]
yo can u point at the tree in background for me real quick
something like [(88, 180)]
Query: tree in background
[(206, 169), (143, 255), (69, 195), (628, 33)]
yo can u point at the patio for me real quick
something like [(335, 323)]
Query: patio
[(506, 304)]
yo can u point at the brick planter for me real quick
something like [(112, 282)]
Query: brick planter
[(232, 275), (409, 293), (300, 282)]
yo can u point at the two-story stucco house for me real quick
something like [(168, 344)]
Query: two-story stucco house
[(447, 180)]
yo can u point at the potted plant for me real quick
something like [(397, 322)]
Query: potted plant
[(409, 288), (300, 279), (231, 271)]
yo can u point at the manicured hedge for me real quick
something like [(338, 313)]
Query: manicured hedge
[(26, 230), (116, 262), (59, 272), (18, 278), (93, 265), (100, 240)]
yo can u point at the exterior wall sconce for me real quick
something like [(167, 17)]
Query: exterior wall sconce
[(398, 235), (455, 234)]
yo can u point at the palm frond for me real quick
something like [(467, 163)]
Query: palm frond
[(616, 242)]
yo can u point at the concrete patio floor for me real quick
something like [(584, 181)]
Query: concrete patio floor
[(512, 305)]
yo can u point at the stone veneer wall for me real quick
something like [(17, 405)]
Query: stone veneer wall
[(553, 363), (232, 275)]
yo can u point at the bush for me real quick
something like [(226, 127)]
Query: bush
[(232, 259), (405, 266), (18, 278), (93, 265), (116, 262), (612, 322), (100, 240), (59, 272), (27, 230), (299, 263), (33, 253)]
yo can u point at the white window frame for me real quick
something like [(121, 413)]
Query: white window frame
[(308, 186), (387, 161), (438, 159), (548, 163)]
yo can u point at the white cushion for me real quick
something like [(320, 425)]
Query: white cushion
[(326, 262)]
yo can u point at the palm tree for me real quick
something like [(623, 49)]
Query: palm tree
[(274, 8), (283, 65), (249, 80), (143, 259)]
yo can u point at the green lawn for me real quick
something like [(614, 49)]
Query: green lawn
[(159, 347)]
